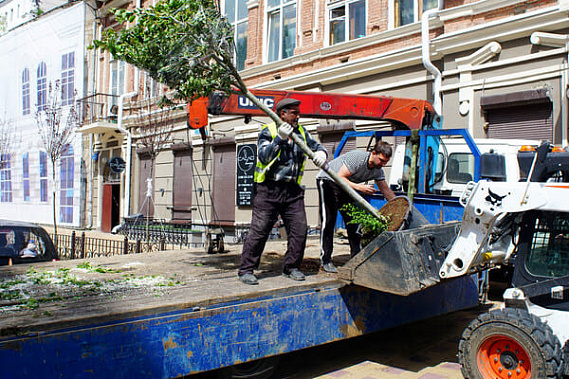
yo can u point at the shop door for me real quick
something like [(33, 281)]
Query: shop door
[(111, 206)]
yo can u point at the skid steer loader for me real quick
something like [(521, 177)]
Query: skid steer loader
[(522, 225)]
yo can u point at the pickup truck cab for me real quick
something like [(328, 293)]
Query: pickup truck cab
[(455, 164)]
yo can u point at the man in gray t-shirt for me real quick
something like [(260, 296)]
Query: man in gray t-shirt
[(356, 168)]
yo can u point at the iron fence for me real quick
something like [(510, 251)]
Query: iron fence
[(160, 231), (76, 246)]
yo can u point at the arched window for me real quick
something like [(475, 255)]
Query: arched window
[(26, 92), (66, 185), (42, 86)]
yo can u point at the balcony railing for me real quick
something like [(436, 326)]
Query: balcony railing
[(99, 107)]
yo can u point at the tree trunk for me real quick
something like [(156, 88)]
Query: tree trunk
[(54, 193)]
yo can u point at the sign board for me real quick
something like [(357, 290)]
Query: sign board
[(246, 162), (117, 165)]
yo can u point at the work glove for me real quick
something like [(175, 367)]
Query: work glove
[(285, 130), (319, 158)]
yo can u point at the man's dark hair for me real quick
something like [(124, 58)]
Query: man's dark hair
[(382, 147)]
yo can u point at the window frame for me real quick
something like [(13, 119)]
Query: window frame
[(280, 10), (336, 4), (418, 10), (118, 67), (26, 176), (41, 89), (68, 78), (43, 176), (6, 179), (238, 22), (66, 179), (26, 92), (152, 88)]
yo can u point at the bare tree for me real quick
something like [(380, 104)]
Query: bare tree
[(154, 133), (56, 124), (9, 140)]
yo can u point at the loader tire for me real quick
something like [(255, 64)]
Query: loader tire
[(509, 343)]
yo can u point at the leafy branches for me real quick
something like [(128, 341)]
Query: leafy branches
[(371, 226), (185, 44)]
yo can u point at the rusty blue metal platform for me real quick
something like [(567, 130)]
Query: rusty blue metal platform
[(170, 344)]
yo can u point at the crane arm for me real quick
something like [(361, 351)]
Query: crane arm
[(404, 113)]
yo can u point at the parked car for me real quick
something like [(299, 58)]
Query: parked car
[(24, 242)]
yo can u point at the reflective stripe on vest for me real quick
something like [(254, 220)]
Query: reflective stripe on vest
[(261, 169)]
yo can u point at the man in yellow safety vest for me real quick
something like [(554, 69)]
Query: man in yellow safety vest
[(280, 165)]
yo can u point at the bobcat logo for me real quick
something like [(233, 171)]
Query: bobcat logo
[(494, 198)]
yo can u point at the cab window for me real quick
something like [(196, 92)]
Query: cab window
[(549, 252), (460, 168)]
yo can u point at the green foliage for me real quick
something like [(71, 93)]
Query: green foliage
[(372, 226), (185, 44)]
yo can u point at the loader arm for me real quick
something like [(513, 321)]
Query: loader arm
[(489, 225), (403, 113)]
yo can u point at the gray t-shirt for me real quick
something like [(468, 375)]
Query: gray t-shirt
[(356, 162)]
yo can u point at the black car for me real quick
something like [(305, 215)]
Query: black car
[(24, 242)]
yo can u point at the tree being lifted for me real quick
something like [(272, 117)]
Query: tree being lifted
[(188, 45)]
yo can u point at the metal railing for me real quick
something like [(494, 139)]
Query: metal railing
[(98, 107), (161, 231), (79, 246)]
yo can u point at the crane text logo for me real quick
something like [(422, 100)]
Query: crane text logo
[(245, 103)]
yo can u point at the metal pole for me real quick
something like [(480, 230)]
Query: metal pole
[(339, 181)]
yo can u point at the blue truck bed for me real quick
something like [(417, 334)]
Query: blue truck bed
[(205, 321)]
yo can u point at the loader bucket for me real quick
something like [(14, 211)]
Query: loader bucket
[(402, 262)]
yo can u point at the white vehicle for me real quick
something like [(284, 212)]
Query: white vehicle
[(455, 164), (523, 225)]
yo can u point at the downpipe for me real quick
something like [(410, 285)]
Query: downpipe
[(426, 56)]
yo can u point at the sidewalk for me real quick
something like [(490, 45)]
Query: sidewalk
[(341, 245)]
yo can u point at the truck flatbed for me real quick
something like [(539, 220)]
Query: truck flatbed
[(169, 314)]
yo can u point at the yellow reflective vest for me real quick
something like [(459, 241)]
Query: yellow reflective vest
[(262, 168)]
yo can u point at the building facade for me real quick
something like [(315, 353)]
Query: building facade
[(37, 54), (496, 68)]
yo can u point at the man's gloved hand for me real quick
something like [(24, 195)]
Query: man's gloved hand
[(285, 130), (319, 158)]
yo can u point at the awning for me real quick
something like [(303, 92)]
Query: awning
[(99, 127)]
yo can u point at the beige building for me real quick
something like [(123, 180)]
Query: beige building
[(497, 68)]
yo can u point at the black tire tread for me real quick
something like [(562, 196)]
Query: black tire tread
[(529, 324)]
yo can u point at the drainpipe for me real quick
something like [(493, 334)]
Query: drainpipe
[(127, 178), (96, 29), (558, 40), (426, 56)]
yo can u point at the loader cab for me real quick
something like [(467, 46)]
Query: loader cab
[(541, 267)]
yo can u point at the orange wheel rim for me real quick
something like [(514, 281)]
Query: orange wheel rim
[(501, 357)]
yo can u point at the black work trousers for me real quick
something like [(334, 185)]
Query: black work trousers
[(271, 200), (332, 198)]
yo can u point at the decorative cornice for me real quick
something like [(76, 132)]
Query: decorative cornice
[(501, 30)]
